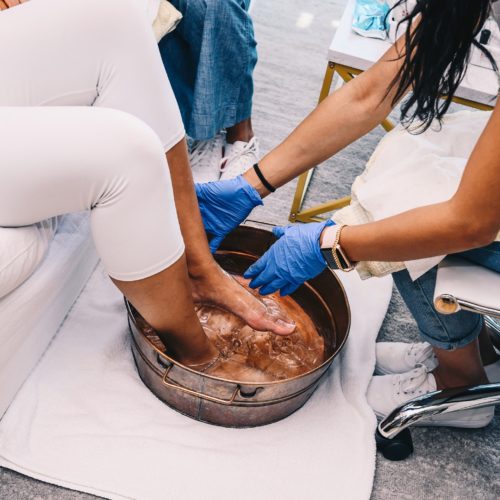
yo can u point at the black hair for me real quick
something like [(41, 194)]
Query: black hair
[(435, 56)]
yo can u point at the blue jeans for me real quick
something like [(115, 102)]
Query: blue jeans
[(209, 59), (444, 331)]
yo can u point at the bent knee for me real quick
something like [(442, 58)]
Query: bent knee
[(142, 149), (129, 147)]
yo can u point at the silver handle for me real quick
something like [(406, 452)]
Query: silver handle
[(438, 403), (448, 304)]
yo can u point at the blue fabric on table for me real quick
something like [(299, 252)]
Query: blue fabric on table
[(370, 18)]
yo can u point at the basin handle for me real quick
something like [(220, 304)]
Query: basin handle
[(174, 385)]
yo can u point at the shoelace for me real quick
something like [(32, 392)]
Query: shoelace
[(412, 383), (420, 355), (201, 149), (232, 163)]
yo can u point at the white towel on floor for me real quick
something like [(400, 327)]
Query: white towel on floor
[(85, 421)]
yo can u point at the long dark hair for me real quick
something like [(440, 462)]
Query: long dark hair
[(435, 56)]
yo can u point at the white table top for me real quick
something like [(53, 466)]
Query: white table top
[(349, 49)]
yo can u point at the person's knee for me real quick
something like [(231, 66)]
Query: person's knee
[(143, 152), (131, 150)]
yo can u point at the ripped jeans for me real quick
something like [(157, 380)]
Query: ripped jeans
[(445, 331)]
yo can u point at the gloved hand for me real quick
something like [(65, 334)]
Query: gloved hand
[(224, 205), (293, 259)]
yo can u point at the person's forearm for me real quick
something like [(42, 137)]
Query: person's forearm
[(345, 116), (342, 118), (337, 122), (423, 232), (470, 219), (197, 252)]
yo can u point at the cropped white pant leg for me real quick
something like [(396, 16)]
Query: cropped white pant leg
[(86, 115)]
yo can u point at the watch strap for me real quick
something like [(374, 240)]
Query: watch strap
[(335, 256), (327, 255)]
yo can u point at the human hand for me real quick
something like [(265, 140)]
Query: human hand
[(293, 259), (5, 4), (224, 205)]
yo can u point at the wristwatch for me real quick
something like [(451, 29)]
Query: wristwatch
[(334, 255)]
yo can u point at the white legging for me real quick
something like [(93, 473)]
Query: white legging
[(86, 115)]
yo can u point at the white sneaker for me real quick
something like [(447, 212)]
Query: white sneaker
[(400, 357), (387, 392), (205, 158), (238, 158)]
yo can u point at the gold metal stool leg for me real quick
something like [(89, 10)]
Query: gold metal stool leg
[(305, 178)]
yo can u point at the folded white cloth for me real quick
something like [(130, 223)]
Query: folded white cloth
[(167, 19), (163, 16), (408, 171), (85, 421)]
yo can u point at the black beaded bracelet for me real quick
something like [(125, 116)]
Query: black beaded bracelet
[(264, 181)]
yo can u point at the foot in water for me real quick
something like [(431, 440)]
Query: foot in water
[(221, 290)]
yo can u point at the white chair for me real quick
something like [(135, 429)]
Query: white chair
[(460, 285)]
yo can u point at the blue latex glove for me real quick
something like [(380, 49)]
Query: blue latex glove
[(293, 259), (224, 205)]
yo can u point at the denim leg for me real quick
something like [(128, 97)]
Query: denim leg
[(210, 59), (488, 257), (444, 331)]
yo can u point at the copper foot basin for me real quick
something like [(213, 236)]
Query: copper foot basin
[(244, 404)]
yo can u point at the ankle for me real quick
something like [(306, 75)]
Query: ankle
[(240, 132), (446, 379), (203, 269), (194, 354)]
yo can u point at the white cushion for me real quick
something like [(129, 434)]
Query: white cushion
[(22, 249)]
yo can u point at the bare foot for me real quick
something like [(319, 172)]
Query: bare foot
[(220, 289)]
